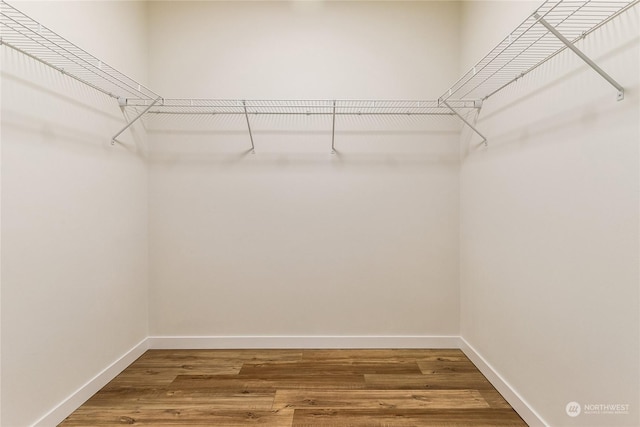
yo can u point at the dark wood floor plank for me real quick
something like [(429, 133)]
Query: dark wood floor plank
[(446, 366), (448, 381), (133, 377), (379, 399), (179, 398), (406, 418), (123, 396), (163, 358), (163, 376), (180, 418), (382, 355), (266, 370), (244, 383)]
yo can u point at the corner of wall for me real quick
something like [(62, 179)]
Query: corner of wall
[(517, 402), (78, 397)]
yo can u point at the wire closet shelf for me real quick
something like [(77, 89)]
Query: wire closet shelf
[(536, 40), (298, 107), (555, 26), (29, 37)]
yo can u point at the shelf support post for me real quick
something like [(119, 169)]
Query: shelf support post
[(135, 119), (246, 116), (333, 129), (484, 140), (582, 56)]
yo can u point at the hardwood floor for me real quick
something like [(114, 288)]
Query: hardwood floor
[(298, 388)]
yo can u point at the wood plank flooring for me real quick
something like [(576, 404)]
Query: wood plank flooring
[(298, 388)]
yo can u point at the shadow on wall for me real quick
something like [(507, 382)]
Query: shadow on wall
[(564, 72), (71, 102), (557, 71), (363, 140)]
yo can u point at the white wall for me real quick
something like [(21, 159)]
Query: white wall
[(293, 240), (296, 241), (74, 214), (549, 224)]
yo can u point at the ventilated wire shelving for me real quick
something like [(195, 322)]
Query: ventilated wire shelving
[(332, 108), (535, 41), (555, 26), (299, 107), (22, 33)]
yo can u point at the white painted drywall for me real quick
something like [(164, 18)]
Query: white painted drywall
[(74, 214), (549, 224), (293, 240)]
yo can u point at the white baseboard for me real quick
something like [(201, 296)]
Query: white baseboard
[(261, 341), (73, 402), (528, 414)]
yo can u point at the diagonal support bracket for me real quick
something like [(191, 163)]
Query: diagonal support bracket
[(333, 130), (466, 122), (582, 56), (135, 119), (246, 116)]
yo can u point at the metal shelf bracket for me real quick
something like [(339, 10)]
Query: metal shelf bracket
[(333, 129), (582, 56), (135, 119), (246, 116), (472, 127)]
